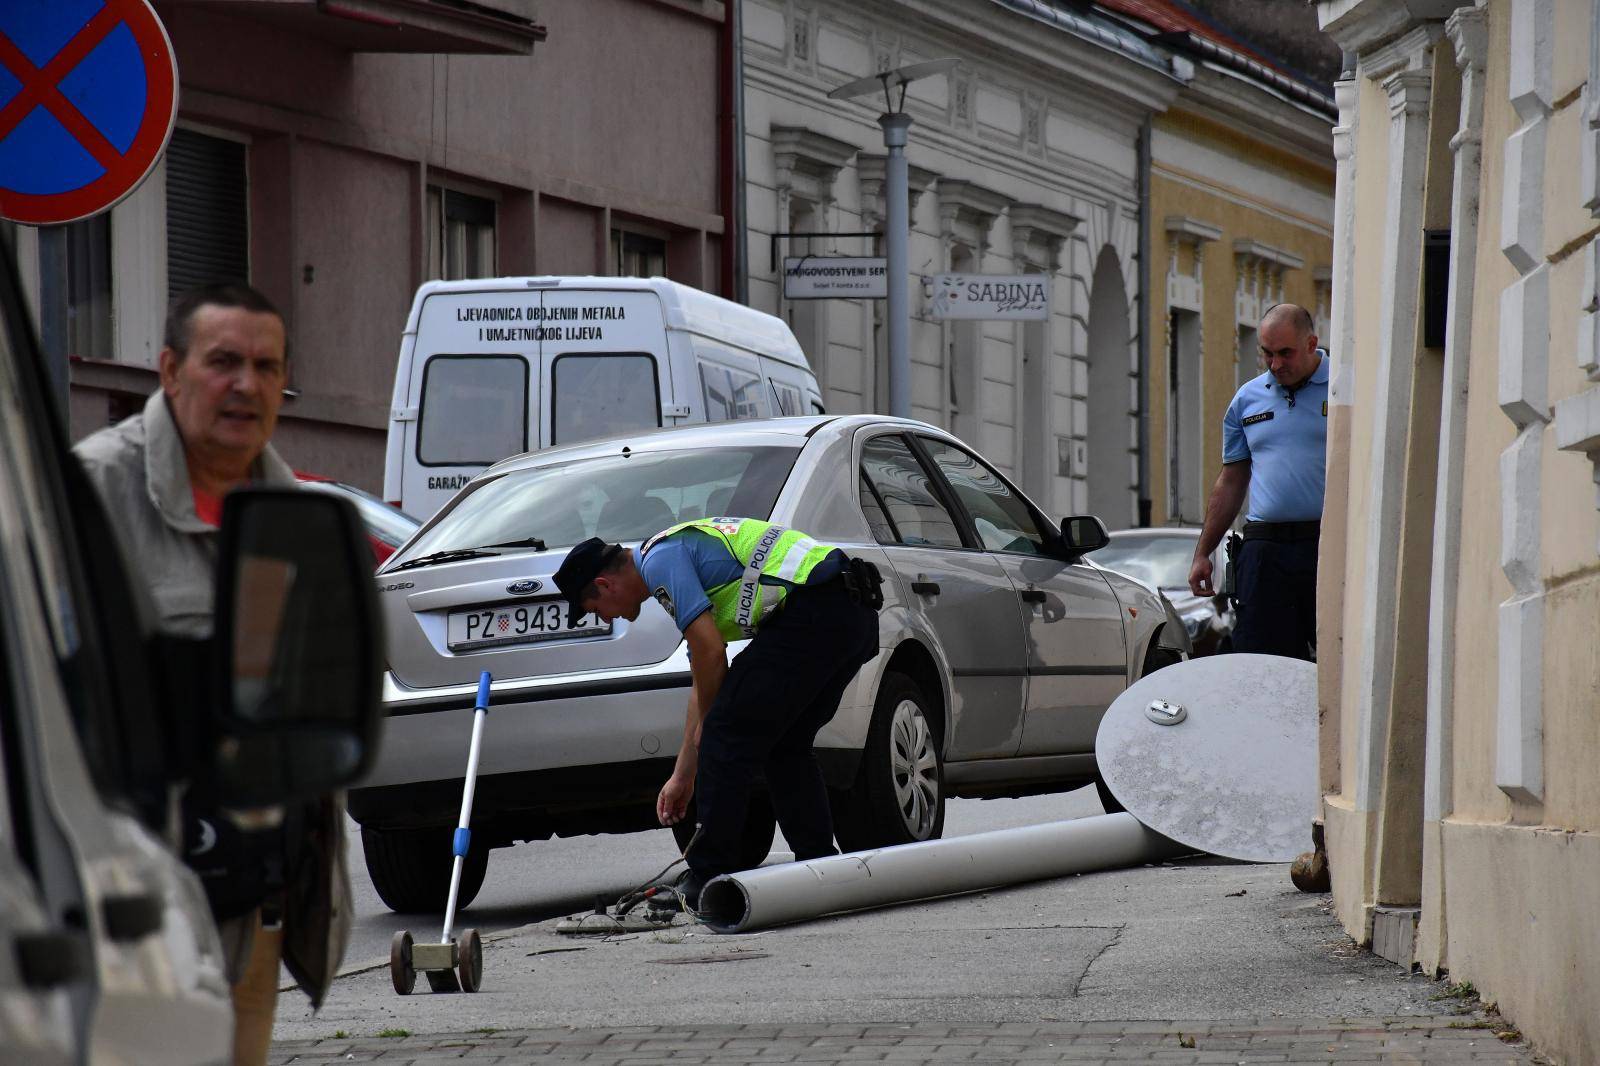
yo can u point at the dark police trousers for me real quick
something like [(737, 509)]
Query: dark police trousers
[(1277, 594), (778, 692)]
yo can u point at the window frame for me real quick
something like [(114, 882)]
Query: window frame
[(555, 392), (422, 403), (704, 357), (1051, 535), (941, 493), (438, 235)]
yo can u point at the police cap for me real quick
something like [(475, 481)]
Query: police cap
[(579, 569)]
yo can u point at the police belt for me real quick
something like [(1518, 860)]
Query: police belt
[(1283, 531)]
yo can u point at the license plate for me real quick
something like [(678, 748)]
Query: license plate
[(518, 623)]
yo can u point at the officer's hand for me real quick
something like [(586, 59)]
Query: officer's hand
[(1200, 577), (673, 802)]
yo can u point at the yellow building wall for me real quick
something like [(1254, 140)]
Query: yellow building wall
[(1210, 198), (1517, 887)]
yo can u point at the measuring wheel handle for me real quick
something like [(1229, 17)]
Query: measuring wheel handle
[(401, 971), (469, 960)]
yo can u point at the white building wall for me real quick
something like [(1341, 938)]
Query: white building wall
[(1037, 121)]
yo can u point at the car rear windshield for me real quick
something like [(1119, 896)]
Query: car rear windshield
[(1162, 561), (615, 497)]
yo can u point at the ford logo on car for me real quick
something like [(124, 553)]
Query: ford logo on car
[(524, 588)]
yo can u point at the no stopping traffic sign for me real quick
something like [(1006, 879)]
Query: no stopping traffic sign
[(88, 95)]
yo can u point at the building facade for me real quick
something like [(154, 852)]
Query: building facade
[(338, 155), (1240, 210), (1025, 159), (1460, 567)]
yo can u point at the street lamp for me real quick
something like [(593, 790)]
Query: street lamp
[(895, 122)]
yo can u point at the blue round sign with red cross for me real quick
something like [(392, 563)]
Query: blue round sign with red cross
[(88, 96)]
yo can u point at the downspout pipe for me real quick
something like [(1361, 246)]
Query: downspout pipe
[(792, 892), (736, 238), (1146, 504)]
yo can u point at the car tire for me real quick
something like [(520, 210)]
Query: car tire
[(898, 795), (759, 825), (410, 868)]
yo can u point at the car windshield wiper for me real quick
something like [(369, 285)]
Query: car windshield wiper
[(525, 542), (447, 556), (450, 555)]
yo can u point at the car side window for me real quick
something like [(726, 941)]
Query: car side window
[(1003, 519), (883, 530), (909, 500)]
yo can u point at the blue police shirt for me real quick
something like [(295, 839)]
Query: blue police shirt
[(1285, 437), (679, 570)]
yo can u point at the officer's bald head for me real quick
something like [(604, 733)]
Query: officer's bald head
[(1292, 316)]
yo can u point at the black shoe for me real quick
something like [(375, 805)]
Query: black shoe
[(689, 886)]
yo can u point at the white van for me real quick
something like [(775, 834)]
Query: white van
[(494, 367)]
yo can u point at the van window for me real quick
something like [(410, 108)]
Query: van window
[(474, 409), (731, 393), (598, 395), (787, 399)]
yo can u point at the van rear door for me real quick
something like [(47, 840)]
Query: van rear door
[(475, 390), (604, 363)]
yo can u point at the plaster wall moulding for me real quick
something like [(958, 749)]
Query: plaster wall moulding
[(808, 162), (967, 212)]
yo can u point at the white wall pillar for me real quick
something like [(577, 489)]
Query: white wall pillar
[(1409, 89), (1524, 397)]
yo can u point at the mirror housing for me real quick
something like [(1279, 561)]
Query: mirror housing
[(297, 650), (1083, 534)]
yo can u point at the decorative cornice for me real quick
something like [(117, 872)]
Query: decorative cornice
[(1410, 52), (809, 154), (1037, 222), (1409, 92), (1183, 228), (966, 202), (1360, 25), (1468, 30), (1266, 253)]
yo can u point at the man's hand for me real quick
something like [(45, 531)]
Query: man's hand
[(1200, 577), (674, 799)]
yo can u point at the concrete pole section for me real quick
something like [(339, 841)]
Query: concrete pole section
[(773, 895), (897, 227)]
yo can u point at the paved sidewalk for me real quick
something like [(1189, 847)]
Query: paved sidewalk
[(1466, 1038)]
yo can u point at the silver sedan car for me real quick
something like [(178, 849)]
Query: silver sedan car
[(1002, 643)]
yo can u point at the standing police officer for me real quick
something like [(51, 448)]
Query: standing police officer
[(1274, 447), (812, 613)]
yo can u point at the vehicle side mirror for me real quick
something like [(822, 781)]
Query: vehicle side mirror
[(1083, 534), (300, 649)]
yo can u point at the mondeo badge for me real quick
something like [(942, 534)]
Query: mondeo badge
[(524, 588)]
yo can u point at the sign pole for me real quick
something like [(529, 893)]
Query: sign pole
[(897, 228)]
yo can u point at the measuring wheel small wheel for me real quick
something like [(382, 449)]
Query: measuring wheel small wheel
[(469, 960), (401, 971)]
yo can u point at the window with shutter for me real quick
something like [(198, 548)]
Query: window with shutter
[(208, 217)]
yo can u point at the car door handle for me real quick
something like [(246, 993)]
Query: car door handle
[(1032, 595), (925, 588), (131, 917), (52, 959)]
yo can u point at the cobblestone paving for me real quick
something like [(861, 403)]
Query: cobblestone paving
[(1436, 1041)]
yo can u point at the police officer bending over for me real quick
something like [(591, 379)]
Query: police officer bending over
[(1274, 447), (812, 613)]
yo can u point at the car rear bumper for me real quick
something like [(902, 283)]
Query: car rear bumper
[(574, 753)]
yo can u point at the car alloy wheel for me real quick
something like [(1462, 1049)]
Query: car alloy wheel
[(898, 795), (914, 767)]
